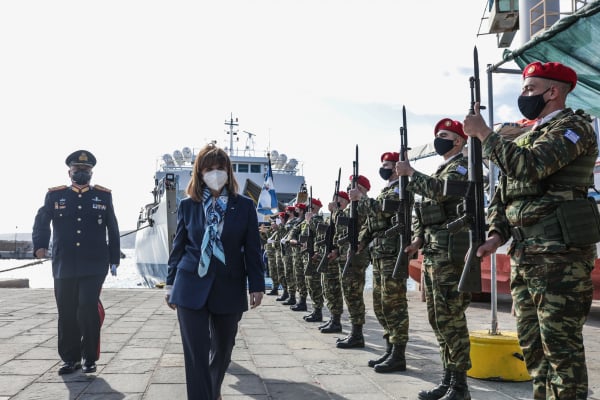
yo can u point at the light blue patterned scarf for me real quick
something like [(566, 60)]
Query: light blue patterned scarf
[(214, 210)]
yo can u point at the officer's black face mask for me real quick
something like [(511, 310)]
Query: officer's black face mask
[(442, 146), (81, 177), (385, 173), (532, 106), (296, 214)]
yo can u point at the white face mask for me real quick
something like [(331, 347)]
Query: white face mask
[(215, 179)]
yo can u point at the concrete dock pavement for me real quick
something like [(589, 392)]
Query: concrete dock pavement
[(277, 354)]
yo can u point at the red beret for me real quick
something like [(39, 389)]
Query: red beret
[(390, 156), (301, 206), (317, 202), (282, 214), (363, 181), (448, 124), (290, 208), (343, 195), (551, 70)]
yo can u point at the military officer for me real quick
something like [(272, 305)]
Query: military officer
[(443, 257), (85, 242), (298, 262), (542, 203), (288, 297)]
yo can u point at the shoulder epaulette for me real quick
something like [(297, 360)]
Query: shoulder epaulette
[(55, 188), (98, 187)]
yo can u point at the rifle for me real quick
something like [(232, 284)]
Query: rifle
[(403, 209), (472, 191), (353, 220), (329, 233)]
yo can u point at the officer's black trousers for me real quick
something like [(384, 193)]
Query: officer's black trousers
[(78, 317)]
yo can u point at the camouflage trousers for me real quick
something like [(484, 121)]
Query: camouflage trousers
[(552, 302), (353, 287), (272, 264), (290, 278), (389, 301), (299, 273), (313, 281), (280, 270), (332, 287), (446, 307)]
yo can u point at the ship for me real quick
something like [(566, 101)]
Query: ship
[(552, 34), (157, 220)]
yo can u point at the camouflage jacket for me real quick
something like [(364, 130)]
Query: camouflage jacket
[(435, 210), (566, 143)]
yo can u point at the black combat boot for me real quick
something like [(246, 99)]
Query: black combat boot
[(290, 301), (315, 316), (335, 326), (273, 292), (284, 296), (354, 340), (458, 387), (395, 362), (326, 324), (440, 390), (300, 306), (388, 351)]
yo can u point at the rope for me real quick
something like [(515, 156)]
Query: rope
[(26, 265)]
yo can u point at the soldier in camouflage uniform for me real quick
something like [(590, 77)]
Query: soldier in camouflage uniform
[(294, 241), (541, 202), (389, 294), (267, 236), (288, 298), (443, 258), (353, 284), (331, 278), (280, 222), (308, 235)]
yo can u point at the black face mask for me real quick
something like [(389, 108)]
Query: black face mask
[(532, 106), (296, 214), (385, 173), (81, 177), (442, 146)]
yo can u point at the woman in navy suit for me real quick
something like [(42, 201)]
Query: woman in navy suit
[(215, 257)]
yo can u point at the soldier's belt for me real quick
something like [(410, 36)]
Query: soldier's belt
[(547, 229)]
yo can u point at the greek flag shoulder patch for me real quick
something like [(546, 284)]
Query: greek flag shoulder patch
[(462, 170), (572, 136)]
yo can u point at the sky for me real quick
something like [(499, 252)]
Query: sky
[(130, 80)]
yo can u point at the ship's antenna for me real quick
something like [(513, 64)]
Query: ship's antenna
[(249, 143), (231, 123)]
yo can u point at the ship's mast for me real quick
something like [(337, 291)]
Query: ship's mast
[(231, 123)]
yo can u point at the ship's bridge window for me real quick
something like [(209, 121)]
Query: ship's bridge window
[(255, 168), (242, 168)]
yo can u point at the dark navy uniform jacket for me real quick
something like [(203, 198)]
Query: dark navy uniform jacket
[(85, 233), (224, 288)]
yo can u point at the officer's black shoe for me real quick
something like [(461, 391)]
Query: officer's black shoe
[(88, 367), (388, 351), (284, 296), (354, 340), (395, 362), (290, 301), (458, 387), (440, 390), (315, 316), (334, 327), (301, 305), (273, 292), (69, 367)]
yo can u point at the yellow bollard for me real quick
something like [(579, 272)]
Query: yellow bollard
[(497, 357)]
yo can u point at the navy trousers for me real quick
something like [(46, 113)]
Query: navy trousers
[(208, 341)]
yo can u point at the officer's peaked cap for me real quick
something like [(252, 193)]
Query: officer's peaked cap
[(81, 157)]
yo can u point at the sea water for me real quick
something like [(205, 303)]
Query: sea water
[(40, 275)]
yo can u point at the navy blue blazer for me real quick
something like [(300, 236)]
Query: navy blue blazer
[(224, 288)]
